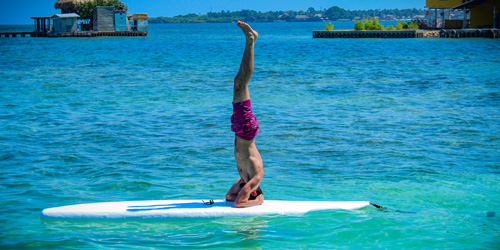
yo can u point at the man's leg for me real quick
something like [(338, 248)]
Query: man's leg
[(241, 80)]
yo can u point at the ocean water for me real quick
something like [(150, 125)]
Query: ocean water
[(410, 124)]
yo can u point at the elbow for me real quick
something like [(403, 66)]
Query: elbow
[(238, 205), (258, 201), (260, 174)]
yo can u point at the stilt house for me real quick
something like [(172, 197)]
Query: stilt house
[(477, 13), (65, 22)]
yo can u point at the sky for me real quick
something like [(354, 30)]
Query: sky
[(20, 11)]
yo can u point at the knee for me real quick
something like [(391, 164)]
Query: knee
[(237, 85), (230, 197), (240, 81)]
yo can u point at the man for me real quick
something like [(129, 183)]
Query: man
[(245, 192)]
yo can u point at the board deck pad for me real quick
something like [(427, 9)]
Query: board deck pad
[(171, 209)]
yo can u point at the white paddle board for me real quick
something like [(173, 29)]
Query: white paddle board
[(172, 209)]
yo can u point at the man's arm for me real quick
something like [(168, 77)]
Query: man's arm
[(243, 197)]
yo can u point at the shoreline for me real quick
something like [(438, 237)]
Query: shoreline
[(420, 33)]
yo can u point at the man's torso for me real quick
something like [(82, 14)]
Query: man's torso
[(248, 159)]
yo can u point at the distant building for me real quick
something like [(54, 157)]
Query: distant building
[(121, 21), (301, 17), (483, 13), (477, 13), (138, 22), (103, 18), (42, 24), (436, 12), (108, 19), (65, 22), (285, 15), (390, 17)]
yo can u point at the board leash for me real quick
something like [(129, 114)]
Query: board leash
[(211, 202)]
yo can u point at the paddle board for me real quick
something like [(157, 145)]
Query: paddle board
[(171, 209)]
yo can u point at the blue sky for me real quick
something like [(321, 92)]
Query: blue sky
[(20, 11)]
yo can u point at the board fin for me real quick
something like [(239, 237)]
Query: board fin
[(385, 209), (377, 206)]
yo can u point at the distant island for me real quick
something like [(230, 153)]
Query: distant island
[(311, 15)]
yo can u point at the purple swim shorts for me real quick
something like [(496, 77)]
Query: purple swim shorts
[(243, 122)]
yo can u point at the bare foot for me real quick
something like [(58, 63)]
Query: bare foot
[(250, 34)]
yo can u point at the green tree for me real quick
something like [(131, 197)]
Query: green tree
[(413, 26), (335, 13), (84, 10), (358, 25), (329, 26), (371, 24), (399, 25)]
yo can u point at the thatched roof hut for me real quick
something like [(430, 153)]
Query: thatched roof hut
[(69, 6)]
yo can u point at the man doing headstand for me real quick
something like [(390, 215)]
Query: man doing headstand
[(245, 192)]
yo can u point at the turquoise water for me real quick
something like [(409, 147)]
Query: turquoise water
[(411, 124)]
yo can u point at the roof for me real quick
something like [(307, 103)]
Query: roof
[(141, 16), (70, 15), (469, 4)]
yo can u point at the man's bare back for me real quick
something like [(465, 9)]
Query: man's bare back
[(245, 192)]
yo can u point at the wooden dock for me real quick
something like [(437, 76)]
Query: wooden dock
[(444, 33), (23, 34), (99, 33), (74, 34)]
